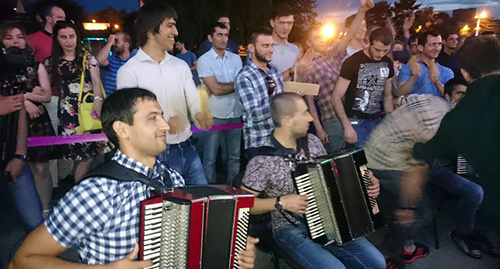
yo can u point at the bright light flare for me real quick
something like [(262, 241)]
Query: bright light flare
[(482, 15), (328, 31)]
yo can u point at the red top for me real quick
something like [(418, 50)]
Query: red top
[(42, 44)]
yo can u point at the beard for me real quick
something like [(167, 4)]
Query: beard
[(260, 57)]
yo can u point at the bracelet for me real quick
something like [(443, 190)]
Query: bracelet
[(407, 208), (99, 98)]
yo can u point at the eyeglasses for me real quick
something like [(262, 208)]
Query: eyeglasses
[(270, 85)]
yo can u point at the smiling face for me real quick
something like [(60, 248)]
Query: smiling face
[(262, 49), (14, 38), (432, 47), (147, 135), (67, 38), (165, 38)]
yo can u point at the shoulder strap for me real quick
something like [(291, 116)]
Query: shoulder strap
[(114, 170)]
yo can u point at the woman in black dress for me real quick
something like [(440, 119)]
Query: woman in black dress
[(66, 64)]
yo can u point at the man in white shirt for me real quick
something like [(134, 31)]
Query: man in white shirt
[(152, 68), (218, 69)]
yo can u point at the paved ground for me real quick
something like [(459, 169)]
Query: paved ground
[(447, 256)]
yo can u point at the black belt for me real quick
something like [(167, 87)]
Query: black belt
[(185, 144)]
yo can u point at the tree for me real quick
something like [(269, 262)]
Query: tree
[(402, 10), (378, 14)]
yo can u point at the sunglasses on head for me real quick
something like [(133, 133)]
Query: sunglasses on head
[(270, 85)]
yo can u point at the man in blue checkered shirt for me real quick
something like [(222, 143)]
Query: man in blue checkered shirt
[(255, 85), (101, 215)]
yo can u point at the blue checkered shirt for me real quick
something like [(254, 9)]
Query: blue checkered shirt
[(251, 87), (101, 215)]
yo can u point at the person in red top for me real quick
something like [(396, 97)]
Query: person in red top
[(42, 40)]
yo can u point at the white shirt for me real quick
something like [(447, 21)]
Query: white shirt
[(170, 80), (284, 57), (225, 71)]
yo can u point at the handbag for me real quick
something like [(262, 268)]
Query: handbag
[(87, 122)]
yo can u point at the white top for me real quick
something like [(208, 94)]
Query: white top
[(225, 71), (284, 57), (170, 80)]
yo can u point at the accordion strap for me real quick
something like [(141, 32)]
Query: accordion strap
[(114, 170)]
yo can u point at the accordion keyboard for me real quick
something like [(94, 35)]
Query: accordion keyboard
[(367, 183), (241, 234)]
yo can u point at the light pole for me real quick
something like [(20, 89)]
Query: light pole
[(479, 17)]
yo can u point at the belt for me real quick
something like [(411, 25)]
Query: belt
[(184, 144)]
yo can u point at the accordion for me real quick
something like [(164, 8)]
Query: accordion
[(195, 227), (339, 209)]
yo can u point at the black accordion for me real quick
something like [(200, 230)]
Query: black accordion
[(339, 209), (195, 227)]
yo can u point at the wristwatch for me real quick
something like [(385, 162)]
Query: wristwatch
[(278, 205), (23, 157)]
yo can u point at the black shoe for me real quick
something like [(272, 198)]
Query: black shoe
[(466, 244), (486, 246)]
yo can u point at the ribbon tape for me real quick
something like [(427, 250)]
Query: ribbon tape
[(38, 141)]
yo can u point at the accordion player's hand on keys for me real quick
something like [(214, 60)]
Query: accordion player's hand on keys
[(295, 203), (374, 190), (129, 262), (246, 258)]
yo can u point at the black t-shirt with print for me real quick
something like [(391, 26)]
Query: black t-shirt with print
[(365, 93)]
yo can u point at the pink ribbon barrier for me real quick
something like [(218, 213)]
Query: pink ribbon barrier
[(38, 141)]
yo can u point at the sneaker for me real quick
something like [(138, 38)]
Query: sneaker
[(486, 246), (466, 244), (420, 252), (394, 263)]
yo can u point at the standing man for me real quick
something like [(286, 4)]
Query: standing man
[(425, 76), (101, 214), (325, 72), (269, 178), (285, 53), (448, 57), (231, 45), (188, 57), (218, 69), (170, 78), (255, 85), (119, 44), (42, 40), (365, 82)]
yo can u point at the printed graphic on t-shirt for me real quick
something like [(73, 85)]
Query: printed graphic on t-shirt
[(370, 87)]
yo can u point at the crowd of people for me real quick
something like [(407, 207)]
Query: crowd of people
[(414, 103)]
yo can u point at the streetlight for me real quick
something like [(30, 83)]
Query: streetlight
[(479, 17)]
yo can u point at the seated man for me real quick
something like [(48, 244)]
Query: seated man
[(471, 194), (101, 215), (269, 178)]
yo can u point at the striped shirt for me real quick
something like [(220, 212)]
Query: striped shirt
[(115, 63), (390, 146), (101, 215)]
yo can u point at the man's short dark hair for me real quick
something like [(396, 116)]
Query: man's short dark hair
[(448, 34), (450, 85), (150, 17), (47, 11), (120, 106), (222, 15), (413, 37), (422, 38), (281, 10), (472, 57), (216, 25), (256, 33), (283, 105), (383, 35)]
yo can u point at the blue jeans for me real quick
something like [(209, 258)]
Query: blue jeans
[(333, 127), (232, 139), (363, 129), (390, 191), (25, 197), (471, 195), (356, 254), (185, 161)]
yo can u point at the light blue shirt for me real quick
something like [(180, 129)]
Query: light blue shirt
[(423, 83), (225, 71), (284, 57)]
